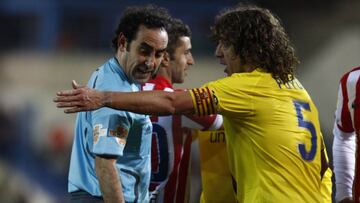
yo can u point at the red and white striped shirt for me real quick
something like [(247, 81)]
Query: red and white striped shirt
[(170, 149), (346, 147)]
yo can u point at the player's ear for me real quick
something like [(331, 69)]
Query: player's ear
[(166, 59), (122, 42)]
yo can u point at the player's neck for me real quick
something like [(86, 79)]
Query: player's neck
[(165, 74)]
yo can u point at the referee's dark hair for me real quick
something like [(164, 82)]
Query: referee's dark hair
[(150, 16)]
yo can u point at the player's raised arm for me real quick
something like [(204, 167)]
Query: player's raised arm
[(147, 102)]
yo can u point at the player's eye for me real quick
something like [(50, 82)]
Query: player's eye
[(159, 54)]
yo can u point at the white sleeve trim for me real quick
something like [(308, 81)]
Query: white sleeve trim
[(218, 122), (344, 162)]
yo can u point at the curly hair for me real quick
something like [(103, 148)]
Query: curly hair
[(150, 16), (176, 30), (258, 38)]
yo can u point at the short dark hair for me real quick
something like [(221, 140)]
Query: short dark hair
[(258, 39), (150, 16), (176, 30)]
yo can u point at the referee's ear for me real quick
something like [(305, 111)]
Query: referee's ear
[(122, 42)]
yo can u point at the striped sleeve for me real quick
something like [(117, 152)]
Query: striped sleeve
[(347, 123), (204, 100), (356, 117), (355, 103), (342, 114)]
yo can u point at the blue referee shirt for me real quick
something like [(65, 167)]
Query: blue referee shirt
[(112, 132)]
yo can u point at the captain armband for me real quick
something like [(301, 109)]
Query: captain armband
[(204, 100)]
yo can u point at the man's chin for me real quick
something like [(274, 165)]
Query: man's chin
[(142, 80)]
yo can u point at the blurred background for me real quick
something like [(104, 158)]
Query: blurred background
[(44, 44)]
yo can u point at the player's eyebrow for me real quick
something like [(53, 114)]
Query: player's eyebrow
[(149, 47)]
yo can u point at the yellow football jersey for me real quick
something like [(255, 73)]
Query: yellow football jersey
[(326, 184), (272, 134), (215, 175)]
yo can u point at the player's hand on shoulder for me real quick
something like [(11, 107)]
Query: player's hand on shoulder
[(80, 98)]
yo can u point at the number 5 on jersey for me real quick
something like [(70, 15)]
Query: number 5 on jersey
[(308, 156)]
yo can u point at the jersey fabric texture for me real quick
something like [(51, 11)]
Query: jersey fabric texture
[(272, 134), (347, 137), (171, 149), (215, 174), (216, 179), (112, 132), (326, 183)]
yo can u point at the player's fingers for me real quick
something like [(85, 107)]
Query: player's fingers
[(75, 85), (61, 99), (74, 110), (69, 92), (68, 98), (69, 104)]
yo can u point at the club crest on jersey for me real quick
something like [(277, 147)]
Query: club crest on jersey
[(120, 133), (203, 95), (98, 131)]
